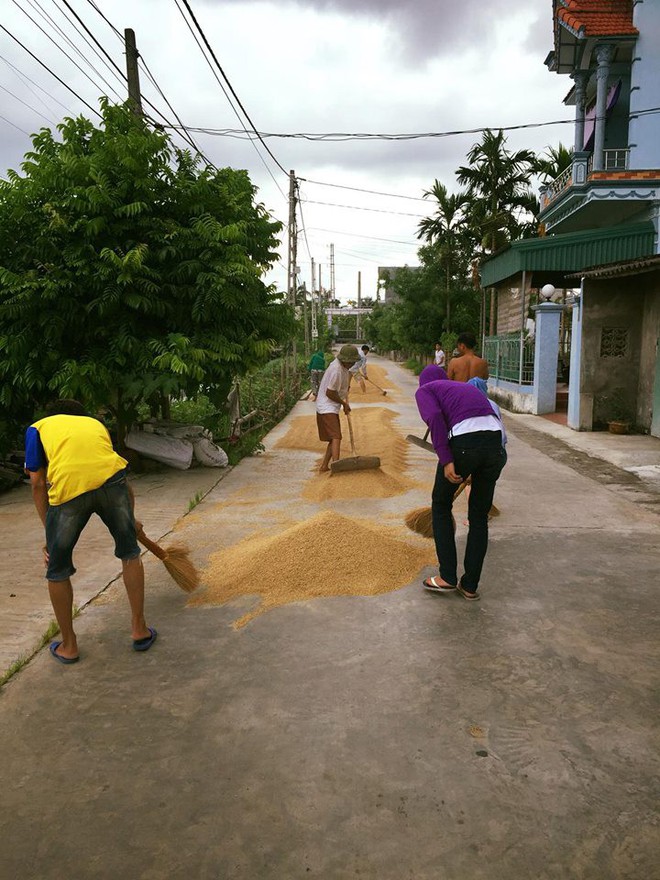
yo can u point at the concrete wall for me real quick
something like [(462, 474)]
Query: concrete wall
[(650, 333), (615, 303), (511, 396), (644, 133)]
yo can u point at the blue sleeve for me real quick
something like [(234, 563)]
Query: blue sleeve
[(35, 456)]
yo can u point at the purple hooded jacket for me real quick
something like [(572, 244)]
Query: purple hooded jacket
[(443, 404)]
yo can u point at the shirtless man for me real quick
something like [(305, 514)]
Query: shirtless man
[(467, 366)]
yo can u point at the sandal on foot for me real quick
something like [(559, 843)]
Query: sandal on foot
[(147, 642), (60, 659), (433, 587), (466, 594)]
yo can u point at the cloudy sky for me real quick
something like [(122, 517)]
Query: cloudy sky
[(313, 66)]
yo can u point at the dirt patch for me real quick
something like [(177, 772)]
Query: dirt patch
[(327, 555)]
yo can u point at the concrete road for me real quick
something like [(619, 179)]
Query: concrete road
[(406, 735)]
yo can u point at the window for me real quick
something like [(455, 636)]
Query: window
[(614, 342)]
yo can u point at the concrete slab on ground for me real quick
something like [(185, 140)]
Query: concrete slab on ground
[(402, 735)]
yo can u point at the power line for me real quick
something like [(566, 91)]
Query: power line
[(373, 192), (231, 88), (106, 20), (371, 237), (45, 66), (229, 101), (114, 69), (381, 136), (29, 106), (14, 125), (302, 220), (24, 76), (357, 208), (58, 46)]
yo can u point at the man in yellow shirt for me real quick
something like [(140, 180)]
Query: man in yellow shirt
[(74, 472)]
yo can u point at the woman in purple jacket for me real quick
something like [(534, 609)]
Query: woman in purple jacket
[(467, 437)]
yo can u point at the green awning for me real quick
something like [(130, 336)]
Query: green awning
[(570, 251)]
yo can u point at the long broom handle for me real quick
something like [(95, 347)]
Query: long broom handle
[(350, 431), (377, 386), (152, 546)]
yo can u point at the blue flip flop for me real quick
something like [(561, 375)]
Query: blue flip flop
[(66, 660), (147, 642)]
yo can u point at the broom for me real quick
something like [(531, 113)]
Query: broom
[(382, 390), (421, 519), (355, 462), (176, 560)]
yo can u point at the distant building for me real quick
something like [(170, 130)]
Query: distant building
[(386, 275)]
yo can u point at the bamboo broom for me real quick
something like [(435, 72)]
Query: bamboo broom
[(177, 561), (421, 519)]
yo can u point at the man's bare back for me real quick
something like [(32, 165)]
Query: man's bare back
[(466, 367)]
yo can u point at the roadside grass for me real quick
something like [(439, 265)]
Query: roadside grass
[(51, 631)]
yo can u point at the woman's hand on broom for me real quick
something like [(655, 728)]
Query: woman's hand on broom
[(450, 473)]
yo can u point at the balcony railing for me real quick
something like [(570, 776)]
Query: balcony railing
[(507, 361), (559, 184), (613, 160)]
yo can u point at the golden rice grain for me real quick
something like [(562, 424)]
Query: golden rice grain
[(375, 434), (327, 555)]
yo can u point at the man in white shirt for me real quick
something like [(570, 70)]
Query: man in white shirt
[(359, 369), (331, 398), (439, 355)]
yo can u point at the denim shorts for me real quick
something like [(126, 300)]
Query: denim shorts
[(65, 522)]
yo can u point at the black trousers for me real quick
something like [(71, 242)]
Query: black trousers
[(481, 456)]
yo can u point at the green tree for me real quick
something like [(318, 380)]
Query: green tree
[(127, 272), (499, 185), (447, 233), (554, 162)]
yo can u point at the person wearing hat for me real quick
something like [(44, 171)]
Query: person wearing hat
[(332, 397)]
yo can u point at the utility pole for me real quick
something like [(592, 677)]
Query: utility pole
[(315, 331), (332, 273), (359, 305), (132, 73), (292, 257)]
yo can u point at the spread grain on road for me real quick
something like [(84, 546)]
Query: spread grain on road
[(327, 555)]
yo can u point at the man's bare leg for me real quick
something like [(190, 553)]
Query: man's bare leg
[(133, 574), (61, 598), (331, 454)]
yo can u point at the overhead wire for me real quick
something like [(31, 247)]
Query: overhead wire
[(28, 80), (224, 91), (14, 125), (374, 192), (229, 85), (29, 106), (59, 47), (102, 55), (67, 38), (51, 72), (358, 208)]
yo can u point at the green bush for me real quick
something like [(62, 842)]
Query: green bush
[(414, 365)]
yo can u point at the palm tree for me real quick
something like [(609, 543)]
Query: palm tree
[(498, 183), (445, 232), (554, 162)]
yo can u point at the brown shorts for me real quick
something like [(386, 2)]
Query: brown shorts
[(329, 427)]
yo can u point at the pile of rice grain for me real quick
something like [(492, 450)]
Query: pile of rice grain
[(327, 555), (375, 434)]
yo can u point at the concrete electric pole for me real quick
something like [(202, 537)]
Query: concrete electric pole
[(132, 72)]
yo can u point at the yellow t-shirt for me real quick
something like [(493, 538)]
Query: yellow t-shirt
[(77, 453)]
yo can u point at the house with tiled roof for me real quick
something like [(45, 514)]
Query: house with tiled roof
[(600, 218)]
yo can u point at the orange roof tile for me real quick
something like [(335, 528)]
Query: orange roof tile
[(597, 18)]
